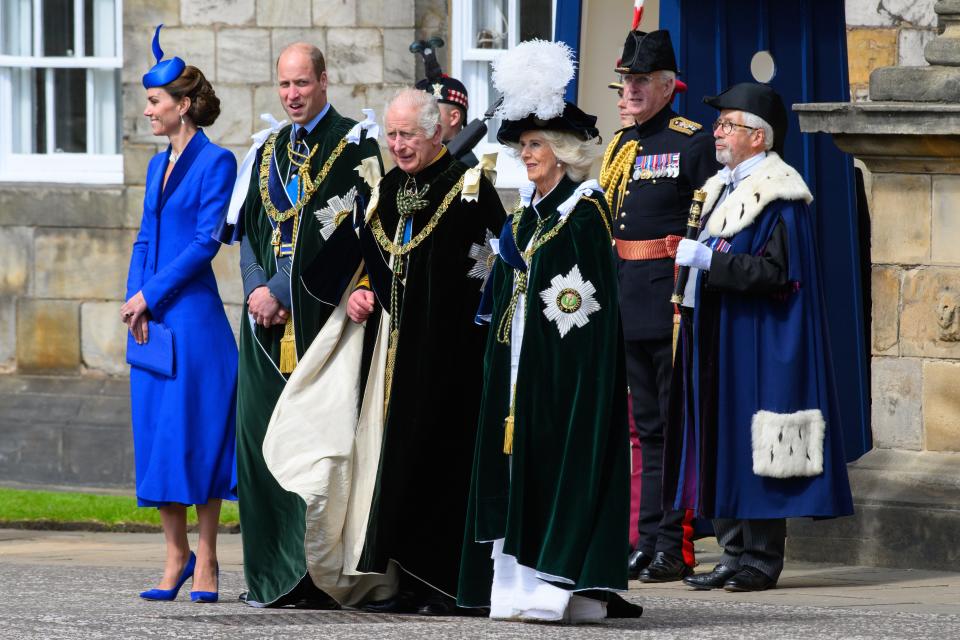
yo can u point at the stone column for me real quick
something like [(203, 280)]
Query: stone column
[(907, 489)]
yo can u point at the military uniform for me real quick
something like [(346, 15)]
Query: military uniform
[(649, 174)]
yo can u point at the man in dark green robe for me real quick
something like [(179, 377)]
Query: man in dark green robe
[(302, 189), (425, 245)]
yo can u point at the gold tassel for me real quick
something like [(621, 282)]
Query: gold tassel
[(676, 330), (391, 361), (508, 424), (508, 435), (288, 349)]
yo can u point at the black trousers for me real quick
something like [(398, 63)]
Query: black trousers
[(755, 543), (649, 367)]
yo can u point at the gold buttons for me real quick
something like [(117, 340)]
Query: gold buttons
[(627, 192), (623, 215), (622, 227), (654, 181)]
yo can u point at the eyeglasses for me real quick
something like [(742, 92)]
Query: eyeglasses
[(727, 127)]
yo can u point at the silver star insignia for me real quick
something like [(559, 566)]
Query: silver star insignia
[(483, 257), (338, 208)]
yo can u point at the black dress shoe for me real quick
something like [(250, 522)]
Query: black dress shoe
[(438, 604), (750, 579), (403, 602), (713, 580), (665, 569), (637, 562), (317, 604), (617, 607)]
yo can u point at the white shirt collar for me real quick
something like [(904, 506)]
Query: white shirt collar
[(735, 176)]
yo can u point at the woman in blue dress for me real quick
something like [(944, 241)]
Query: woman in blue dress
[(183, 424)]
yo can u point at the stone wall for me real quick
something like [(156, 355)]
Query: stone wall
[(64, 249), (916, 311), (883, 33)]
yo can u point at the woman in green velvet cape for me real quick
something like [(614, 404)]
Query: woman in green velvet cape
[(549, 497)]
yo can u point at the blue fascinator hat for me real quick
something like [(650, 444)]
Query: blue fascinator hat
[(165, 71)]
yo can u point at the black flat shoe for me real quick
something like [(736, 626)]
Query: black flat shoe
[(750, 579), (617, 607), (665, 569), (403, 602), (438, 605), (637, 562), (713, 580)]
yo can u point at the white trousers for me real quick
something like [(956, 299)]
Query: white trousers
[(520, 593)]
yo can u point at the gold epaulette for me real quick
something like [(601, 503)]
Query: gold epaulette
[(684, 126)]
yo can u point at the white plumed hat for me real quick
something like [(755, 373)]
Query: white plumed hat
[(533, 77)]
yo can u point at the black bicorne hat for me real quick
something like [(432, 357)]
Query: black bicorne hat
[(446, 89), (758, 99), (647, 52), (572, 120)]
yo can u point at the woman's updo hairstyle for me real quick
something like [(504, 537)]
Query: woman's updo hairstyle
[(204, 103)]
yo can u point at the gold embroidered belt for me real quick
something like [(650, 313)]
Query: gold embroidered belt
[(648, 249)]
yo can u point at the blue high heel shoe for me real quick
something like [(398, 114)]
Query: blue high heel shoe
[(171, 594), (207, 596)]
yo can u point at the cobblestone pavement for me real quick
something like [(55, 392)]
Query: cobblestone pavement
[(83, 586)]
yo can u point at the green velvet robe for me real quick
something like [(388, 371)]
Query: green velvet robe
[(271, 518), (419, 504), (561, 501)]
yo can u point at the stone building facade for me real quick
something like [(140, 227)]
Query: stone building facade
[(64, 248), (884, 33)]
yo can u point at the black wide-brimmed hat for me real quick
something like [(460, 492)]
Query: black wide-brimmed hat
[(758, 99), (447, 90), (572, 120), (647, 52)]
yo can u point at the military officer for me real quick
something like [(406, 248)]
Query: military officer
[(649, 173)]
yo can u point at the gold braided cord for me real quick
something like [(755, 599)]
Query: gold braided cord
[(603, 215), (615, 171), (395, 249), (607, 155), (307, 185), (505, 327)]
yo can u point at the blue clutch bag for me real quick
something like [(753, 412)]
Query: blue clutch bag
[(157, 354)]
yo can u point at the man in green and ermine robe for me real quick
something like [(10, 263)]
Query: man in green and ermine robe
[(425, 243), (295, 220)]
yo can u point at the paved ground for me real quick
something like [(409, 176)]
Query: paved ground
[(83, 586)]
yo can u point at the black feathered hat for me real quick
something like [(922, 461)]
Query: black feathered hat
[(647, 52), (572, 120), (758, 99)]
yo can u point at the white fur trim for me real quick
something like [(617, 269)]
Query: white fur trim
[(788, 445), (773, 179)]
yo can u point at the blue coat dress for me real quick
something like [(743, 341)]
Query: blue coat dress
[(184, 427)]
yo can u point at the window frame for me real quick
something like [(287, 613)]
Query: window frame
[(511, 173), (83, 168)]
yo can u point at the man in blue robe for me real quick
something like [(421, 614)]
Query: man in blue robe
[(754, 434)]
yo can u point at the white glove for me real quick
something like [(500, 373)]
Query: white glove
[(691, 253)]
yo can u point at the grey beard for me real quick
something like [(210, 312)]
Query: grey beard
[(724, 157)]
